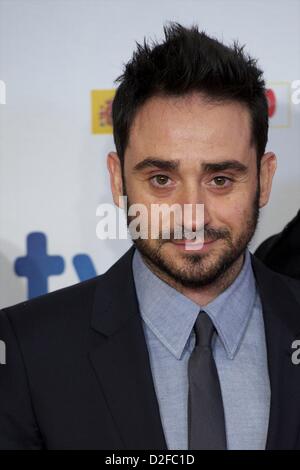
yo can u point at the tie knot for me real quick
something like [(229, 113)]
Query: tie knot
[(204, 330)]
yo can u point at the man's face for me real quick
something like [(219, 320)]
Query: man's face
[(200, 154)]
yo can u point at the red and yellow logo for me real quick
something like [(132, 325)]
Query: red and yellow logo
[(101, 111), (279, 102)]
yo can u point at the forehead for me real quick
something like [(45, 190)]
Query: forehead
[(190, 127)]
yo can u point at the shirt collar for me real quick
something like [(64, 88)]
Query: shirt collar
[(171, 315)]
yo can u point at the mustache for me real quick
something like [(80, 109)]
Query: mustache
[(207, 233)]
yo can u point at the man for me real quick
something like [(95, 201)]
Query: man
[(281, 252), (175, 346)]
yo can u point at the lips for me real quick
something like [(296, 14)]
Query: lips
[(187, 245)]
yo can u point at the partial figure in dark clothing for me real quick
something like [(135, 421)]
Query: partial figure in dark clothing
[(281, 252)]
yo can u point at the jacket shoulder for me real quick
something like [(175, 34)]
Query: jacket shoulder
[(70, 307), (53, 309)]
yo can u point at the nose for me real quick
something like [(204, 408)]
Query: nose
[(193, 202)]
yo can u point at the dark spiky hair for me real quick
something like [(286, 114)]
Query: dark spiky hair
[(188, 60)]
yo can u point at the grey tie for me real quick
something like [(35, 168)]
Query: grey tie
[(206, 422)]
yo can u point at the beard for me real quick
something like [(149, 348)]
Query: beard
[(199, 269)]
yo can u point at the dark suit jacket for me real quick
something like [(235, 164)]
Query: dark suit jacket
[(78, 373), (281, 252)]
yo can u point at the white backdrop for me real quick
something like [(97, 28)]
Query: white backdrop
[(53, 169)]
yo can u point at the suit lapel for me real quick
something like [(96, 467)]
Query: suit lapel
[(119, 356), (281, 314)]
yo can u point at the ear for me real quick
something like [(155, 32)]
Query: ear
[(115, 173), (267, 169)]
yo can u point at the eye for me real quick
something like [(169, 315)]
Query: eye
[(159, 180), (220, 181)]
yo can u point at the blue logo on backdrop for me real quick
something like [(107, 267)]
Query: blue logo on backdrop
[(37, 265)]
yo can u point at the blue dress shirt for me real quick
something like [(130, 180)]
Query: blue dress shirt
[(239, 350)]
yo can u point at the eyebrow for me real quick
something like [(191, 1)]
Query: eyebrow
[(225, 165), (150, 162), (211, 167)]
